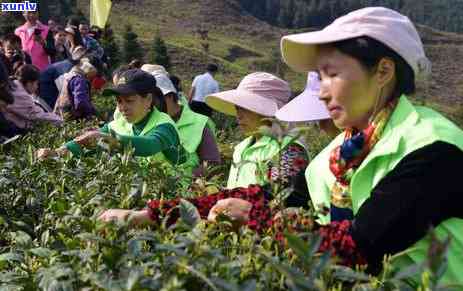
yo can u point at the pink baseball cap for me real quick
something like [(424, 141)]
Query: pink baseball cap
[(262, 93), (391, 28), (307, 106)]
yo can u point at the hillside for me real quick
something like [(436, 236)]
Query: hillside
[(241, 43), (237, 41)]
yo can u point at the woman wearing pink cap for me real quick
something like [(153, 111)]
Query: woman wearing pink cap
[(257, 98), (395, 170)]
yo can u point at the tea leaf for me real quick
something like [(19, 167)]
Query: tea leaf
[(347, 274), (41, 252), (11, 257), (189, 214)]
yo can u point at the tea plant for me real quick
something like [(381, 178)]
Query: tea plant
[(50, 238)]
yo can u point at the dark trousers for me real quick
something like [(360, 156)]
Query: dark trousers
[(201, 108), (8, 129)]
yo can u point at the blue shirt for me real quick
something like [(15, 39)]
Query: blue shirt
[(48, 91)]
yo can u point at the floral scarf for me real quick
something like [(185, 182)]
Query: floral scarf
[(346, 158)]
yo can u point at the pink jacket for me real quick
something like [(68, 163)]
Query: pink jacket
[(24, 112), (40, 59)]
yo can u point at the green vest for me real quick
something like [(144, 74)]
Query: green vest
[(121, 126), (190, 127), (250, 161), (409, 129), (182, 100)]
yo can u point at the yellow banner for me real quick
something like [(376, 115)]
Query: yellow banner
[(99, 12)]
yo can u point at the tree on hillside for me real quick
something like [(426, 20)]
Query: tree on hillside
[(110, 46), (9, 21), (44, 8), (59, 10), (132, 48), (159, 54), (287, 14), (444, 15)]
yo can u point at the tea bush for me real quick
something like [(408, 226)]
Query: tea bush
[(50, 239)]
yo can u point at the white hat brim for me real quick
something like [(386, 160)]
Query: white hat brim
[(300, 51), (305, 107), (226, 101)]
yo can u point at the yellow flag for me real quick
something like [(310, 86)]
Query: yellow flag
[(99, 12)]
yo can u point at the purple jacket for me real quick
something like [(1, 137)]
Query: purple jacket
[(24, 112), (74, 101), (79, 88)]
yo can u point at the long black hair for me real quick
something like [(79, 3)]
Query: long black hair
[(5, 85), (74, 23), (27, 73)]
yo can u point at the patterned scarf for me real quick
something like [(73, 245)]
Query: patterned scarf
[(346, 158)]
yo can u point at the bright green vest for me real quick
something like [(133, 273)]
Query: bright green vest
[(121, 126), (182, 100), (250, 161), (409, 129), (190, 127)]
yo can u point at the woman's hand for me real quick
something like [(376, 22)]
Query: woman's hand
[(111, 141), (45, 153), (89, 138), (135, 217), (236, 209), (38, 38)]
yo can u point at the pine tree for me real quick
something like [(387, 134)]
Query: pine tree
[(132, 48), (111, 47), (285, 17), (67, 7), (44, 8), (272, 8), (300, 18), (9, 22), (159, 54)]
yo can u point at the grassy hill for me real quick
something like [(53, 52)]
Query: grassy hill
[(241, 43)]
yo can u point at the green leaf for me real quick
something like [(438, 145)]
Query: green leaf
[(449, 287), (11, 277), (135, 247), (2, 221), (305, 251), (188, 213), (12, 257), (199, 274), (21, 238), (45, 237), (91, 237), (134, 278), (295, 278), (11, 287), (318, 269), (226, 286), (105, 281), (300, 247), (58, 277), (409, 272), (41, 252), (249, 285), (348, 275)]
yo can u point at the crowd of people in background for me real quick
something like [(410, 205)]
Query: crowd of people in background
[(50, 71), (67, 65)]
